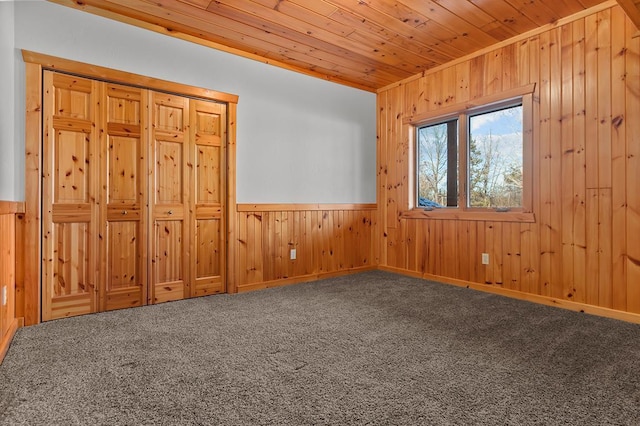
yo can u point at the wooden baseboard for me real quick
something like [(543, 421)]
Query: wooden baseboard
[(543, 300), (6, 340), (301, 279)]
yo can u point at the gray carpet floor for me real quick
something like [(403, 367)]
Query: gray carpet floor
[(372, 348)]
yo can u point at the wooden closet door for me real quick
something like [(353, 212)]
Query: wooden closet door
[(70, 194), (124, 195), (170, 198), (208, 133)]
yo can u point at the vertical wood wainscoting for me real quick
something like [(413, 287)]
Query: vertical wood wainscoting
[(329, 239), (583, 249), (11, 214)]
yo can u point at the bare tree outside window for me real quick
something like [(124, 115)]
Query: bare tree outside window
[(496, 158), (435, 175)]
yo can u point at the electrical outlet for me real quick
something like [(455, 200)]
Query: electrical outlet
[(292, 254), (485, 258)]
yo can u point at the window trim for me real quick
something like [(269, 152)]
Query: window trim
[(462, 111)]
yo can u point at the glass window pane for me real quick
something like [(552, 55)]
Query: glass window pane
[(495, 158), (437, 152)]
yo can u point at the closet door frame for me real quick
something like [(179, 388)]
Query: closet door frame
[(35, 64)]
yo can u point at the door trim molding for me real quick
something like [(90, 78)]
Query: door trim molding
[(96, 72)]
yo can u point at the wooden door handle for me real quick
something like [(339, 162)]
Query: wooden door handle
[(170, 212)]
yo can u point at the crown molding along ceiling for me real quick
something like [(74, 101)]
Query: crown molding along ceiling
[(367, 44)]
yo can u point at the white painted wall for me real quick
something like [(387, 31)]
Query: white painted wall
[(300, 139), (9, 190)]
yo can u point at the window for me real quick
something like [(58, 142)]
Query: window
[(475, 158), (495, 153), (438, 165)]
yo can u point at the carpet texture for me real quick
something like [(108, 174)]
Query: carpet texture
[(371, 348)]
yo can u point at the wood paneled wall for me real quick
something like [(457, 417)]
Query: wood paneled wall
[(10, 245), (328, 239), (584, 245)]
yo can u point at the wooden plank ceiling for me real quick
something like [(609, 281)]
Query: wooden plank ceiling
[(367, 44)]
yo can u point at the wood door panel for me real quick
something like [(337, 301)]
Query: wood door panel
[(168, 291), (71, 156), (124, 105), (168, 261), (70, 213), (123, 174), (169, 250), (71, 260), (209, 250), (169, 172), (170, 118), (72, 97), (124, 298), (170, 278), (208, 121), (123, 259), (208, 286), (69, 226), (72, 287), (124, 212), (209, 255), (169, 113), (70, 306), (126, 192), (72, 124), (208, 189)]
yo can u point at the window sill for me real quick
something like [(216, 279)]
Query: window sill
[(457, 214)]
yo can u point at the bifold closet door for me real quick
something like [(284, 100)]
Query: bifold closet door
[(70, 213), (171, 170), (133, 196), (207, 131), (188, 186), (124, 193)]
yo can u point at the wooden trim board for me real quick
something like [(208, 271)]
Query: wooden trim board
[(302, 207), (33, 191), (11, 207), (543, 300), (301, 279), (123, 77), (6, 340)]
